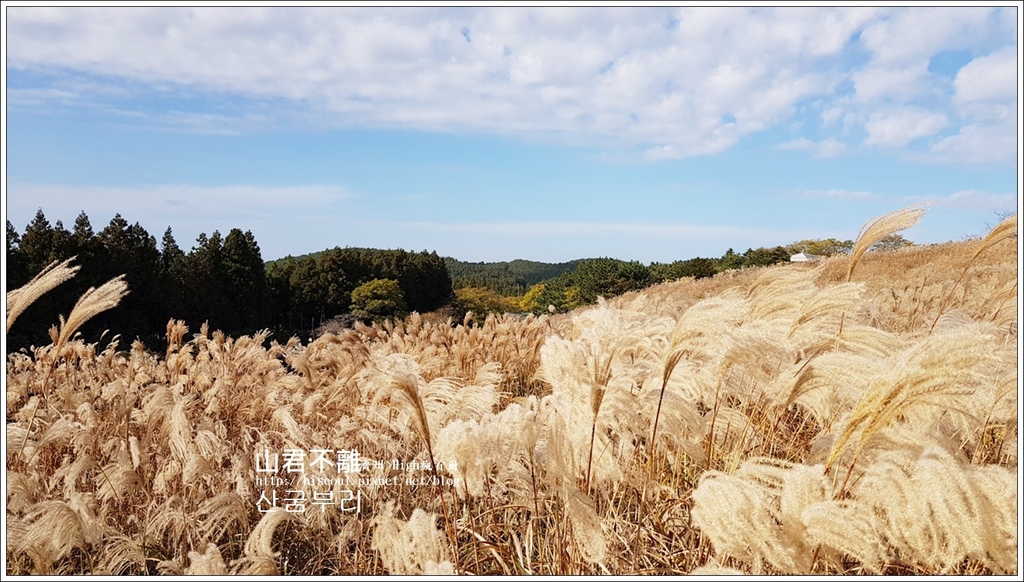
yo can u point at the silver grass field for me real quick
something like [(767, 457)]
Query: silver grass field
[(856, 416)]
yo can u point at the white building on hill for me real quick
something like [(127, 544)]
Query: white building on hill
[(804, 258)]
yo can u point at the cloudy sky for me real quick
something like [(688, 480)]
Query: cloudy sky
[(649, 134)]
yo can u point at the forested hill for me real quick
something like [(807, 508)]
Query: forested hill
[(313, 255), (505, 277)]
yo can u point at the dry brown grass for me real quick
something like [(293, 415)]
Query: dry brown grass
[(766, 421)]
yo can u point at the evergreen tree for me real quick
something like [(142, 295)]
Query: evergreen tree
[(37, 243), (17, 274), (172, 261), (35, 249), (246, 281), (730, 260), (697, 268), (127, 249), (322, 285), (83, 242), (893, 242), (592, 278), (762, 257), (170, 253), (63, 246), (83, 233), (822, 247), (282, 306), (205, 283)]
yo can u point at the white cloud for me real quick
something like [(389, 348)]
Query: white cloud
[(989, 78), (972, 200), (40, 98), (978, 144), (899, 84), (978, 200), (986, 100), (531, 229), (152, 197), (918, 103), (614, 76), (896, 129), (903, 41), (800, 143), (838, 193), (828, 148), (616, 79), (910, 35), (831, 115)]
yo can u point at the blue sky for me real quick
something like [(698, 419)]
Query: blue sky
[(488, 134)]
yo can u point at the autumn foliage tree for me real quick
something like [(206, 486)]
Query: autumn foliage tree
[(481, 301), (378, 299)]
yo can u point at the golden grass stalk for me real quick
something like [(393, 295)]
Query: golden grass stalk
[(936, 511), (1002, 231), (935, 372), (675, 355), (208, 563), (91, 303), (586, 527), (260, 541), (743, 514), (54, 274), (411, 547), (598, 387), (407, 385), (880, 227), (122, 556), (1003, 305), (54, 529), (843, 530)]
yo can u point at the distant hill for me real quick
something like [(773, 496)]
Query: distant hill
[(506, 277), (296, 258), (282, 260)]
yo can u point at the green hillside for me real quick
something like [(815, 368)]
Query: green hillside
[(507, 277)]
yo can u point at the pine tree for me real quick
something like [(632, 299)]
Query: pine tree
[(127, 249), (17, 274), (37, 243), (246, 281)]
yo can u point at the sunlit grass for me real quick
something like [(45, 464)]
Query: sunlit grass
[(780, 420)]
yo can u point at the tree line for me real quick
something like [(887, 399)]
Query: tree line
[(588, 279), (221, 280), (362, 283), (506, 278)]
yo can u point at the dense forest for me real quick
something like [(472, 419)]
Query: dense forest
[(366, 283), (506, 278), (224, 280)]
